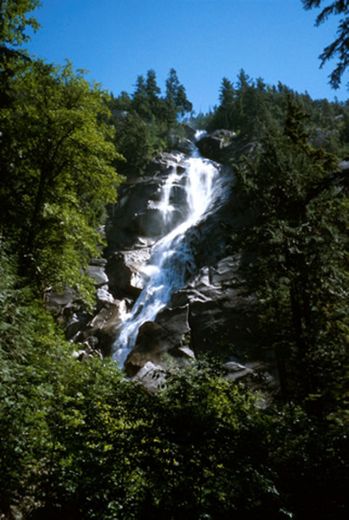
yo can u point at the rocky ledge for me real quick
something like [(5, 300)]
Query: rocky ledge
[(211, 314)]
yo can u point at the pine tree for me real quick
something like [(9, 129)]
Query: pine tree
[(298, 269), (340, 46)]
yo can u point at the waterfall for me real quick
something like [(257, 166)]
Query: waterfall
[(171, 260)]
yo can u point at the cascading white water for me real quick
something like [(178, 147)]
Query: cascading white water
[(171, 258)]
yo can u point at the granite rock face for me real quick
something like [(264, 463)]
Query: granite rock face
[(211, 313), (222, 145), (136, 219), (216, 144)]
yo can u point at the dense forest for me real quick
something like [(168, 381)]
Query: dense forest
[(78, 439)]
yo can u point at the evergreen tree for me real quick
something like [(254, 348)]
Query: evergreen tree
[(172, 86), (298, 269), (176, 97), (225, 114), (227, 94), (340, 46), (153, 93), (140, 101), (137, 141), (183, 105)]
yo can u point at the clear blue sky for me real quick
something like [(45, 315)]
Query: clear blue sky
[(204, 40)]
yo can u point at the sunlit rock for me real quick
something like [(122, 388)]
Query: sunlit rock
[(151, 376), (98, 275)]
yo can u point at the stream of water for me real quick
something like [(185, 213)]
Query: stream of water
[(171, 260)]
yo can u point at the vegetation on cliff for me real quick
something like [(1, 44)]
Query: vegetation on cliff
[(77, 439), (146, 122)]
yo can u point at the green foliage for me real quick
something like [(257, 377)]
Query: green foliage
[(295, 236), (146, 122), (201, 120), (209, 427), (57, 174), (79, 440), (246, 105), (13, 24), (14, 20), (176, 97), (137, 141), (310, 460), (291, 202)]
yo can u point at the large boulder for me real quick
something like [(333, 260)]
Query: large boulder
[(58, 302), (169, 334), (184, 145), (103, 296), (96, 271), (164, 163), (224, 145), (214, 145), (125, 272), (152, 377), (103, 327)]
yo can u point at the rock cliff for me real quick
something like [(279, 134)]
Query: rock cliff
[(211, 313)]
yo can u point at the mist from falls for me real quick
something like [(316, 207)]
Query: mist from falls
[(171, 260)]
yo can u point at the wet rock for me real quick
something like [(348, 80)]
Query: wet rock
[(76, 323), (93, 343), (149, 347), (184, 145), (104, 326), (208, 239), (175, 325), (149, 223), (123, 226), (125, 271), (220, 313), (185, 352), (136, 215), (111, 314), (101, 262), (167, 335), (164, 163), (86, 353), (223, 145)]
